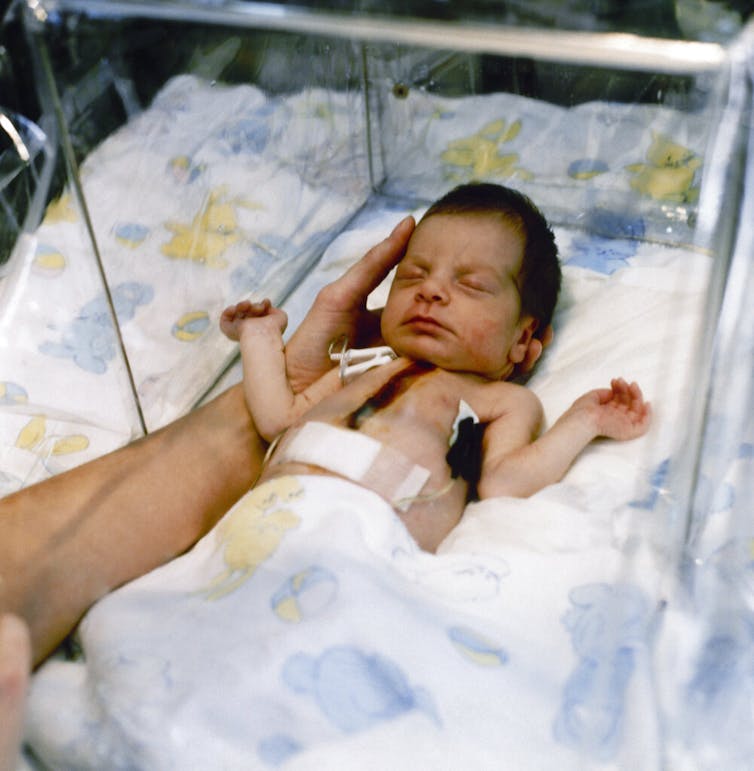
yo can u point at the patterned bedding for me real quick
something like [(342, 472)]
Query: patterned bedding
[(541, 631), (212, 193)]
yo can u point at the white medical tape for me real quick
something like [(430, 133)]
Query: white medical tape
[(320, 444), (356, 456)]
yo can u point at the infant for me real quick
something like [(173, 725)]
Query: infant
[(440, 423)]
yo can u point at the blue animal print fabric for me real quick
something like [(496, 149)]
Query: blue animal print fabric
[(307, 626)]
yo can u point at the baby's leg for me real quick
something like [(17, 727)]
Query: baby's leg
[(15, 663), (236, 316)]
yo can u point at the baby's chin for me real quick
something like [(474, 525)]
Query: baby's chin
[(443, 360), (422, 350)]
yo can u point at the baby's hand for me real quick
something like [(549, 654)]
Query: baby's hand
[(619, 412), (234, 317)]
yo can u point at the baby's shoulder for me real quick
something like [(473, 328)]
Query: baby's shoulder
[(512, 394), (493, 399)]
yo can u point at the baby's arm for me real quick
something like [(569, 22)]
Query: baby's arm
[(259, 327), (517, 468)]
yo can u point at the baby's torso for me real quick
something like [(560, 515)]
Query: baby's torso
[(412, 411), (416, 413)]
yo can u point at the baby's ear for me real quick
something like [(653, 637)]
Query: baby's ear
[(525, 330)]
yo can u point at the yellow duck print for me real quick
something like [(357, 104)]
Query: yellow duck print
[(212, 231), (669, 172), (252, 532), (48, 261), (34, 437), (478, 156), (61, 210)]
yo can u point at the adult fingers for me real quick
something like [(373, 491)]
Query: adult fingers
[(15, 664), (360, 390), (361, 278), (15, 653)]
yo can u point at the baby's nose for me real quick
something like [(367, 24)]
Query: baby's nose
[(431, 290)]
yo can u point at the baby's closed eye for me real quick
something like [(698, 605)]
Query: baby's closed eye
[(476, 283), (409, 273)]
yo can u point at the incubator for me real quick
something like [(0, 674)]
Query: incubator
[(160, 160)]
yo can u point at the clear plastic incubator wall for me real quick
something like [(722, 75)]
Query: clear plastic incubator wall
[(161, 160)]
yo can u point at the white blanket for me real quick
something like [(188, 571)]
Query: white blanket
[(308, 630)]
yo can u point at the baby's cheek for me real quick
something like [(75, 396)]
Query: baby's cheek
[(486, 332), (487, 337)]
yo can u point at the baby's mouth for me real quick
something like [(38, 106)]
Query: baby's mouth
[(424, 322)]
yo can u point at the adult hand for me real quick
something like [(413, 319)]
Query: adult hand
[(15, 663), (340, 309)]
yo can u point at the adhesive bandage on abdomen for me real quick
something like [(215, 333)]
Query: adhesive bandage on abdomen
[(356, 456)]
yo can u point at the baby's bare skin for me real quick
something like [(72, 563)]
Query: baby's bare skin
[(417, 422), (455, 302)]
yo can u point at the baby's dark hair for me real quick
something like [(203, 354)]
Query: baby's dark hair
[(540, 267)]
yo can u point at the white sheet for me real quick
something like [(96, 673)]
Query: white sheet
[(330, 640)]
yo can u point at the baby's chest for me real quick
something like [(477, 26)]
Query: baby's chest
[(429, 403)]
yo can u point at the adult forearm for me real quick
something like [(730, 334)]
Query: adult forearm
[(67, 541)]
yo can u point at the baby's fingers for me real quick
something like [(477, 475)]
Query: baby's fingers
[(617, 395), (640, 416), (637, 404), (643, 412), (246, 308), (626, 394), (604, 395), (635, 392), (621, 390)]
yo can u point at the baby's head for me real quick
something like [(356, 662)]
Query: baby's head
[(479, 279)]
